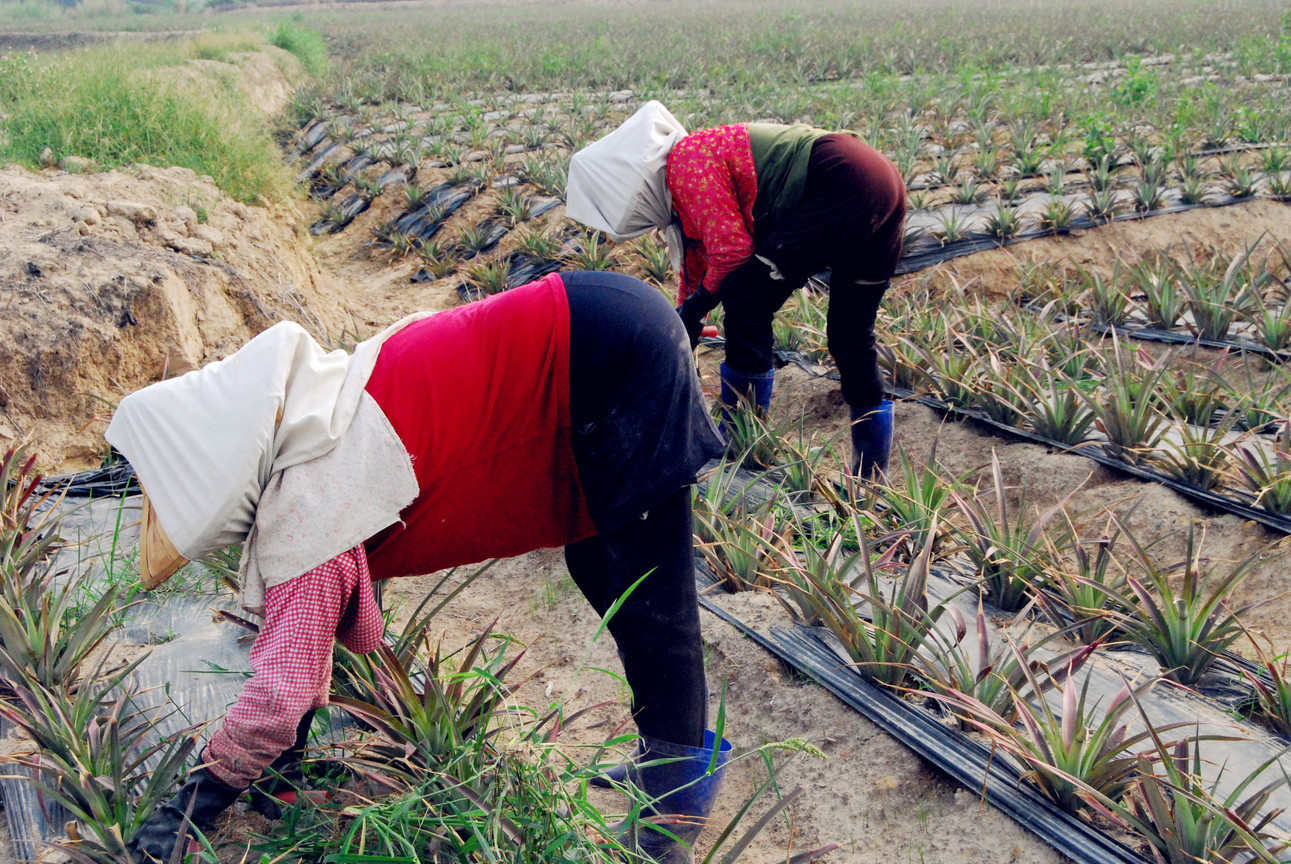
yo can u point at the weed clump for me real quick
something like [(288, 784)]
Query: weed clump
[(308, 45)]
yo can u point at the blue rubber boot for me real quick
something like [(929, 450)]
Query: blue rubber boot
[(752, 387), (676, 778), (871, 440), (615, 775)]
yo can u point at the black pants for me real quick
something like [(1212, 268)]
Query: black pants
[(752, 297), (641, 428), (657, 628), (641, 432), (851, 219)]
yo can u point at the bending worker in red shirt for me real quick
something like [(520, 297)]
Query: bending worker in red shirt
[(563, 413), (750, 211)]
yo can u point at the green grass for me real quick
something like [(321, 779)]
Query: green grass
[(307, 45), (27, 14), (124, 107)]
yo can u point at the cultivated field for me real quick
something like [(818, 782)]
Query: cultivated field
[(1076, 567)]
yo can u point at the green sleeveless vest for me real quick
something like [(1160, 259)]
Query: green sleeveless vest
[(780, 157)]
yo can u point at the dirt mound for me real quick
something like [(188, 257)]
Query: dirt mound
[(258, 74), (111, 281)]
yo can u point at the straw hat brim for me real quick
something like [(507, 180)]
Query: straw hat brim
[(158, 557)]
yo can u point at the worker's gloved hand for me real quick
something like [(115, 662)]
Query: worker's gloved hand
[(694, 328), (692, 311), (282, 783), (167, 828)]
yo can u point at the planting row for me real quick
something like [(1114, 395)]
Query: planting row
[(863, 567), (525, 189), (1212, 423), (1011, 207), (1238, 301), (480, 146), (1004, 108), (92, 746)]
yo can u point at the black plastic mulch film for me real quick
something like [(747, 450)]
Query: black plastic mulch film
[(1127, 160), (1174, 337), (816, 653), (964, 759), (110, 481), (922, 253), (1094, 450)]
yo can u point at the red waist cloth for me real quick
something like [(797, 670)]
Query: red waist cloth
[(479, 395)]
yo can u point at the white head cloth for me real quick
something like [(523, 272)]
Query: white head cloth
[(205, 445), (618, 184)]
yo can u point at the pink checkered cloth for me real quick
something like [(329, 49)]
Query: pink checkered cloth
[(292, 663)]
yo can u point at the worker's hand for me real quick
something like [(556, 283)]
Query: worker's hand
[(202, 799), (694, 328), (156, 839), (692, 311)]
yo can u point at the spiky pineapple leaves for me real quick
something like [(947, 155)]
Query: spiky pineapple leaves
[(101, 758), (424, 709)]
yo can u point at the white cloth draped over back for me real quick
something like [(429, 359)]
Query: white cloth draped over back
[(618, 184), (278, 446)]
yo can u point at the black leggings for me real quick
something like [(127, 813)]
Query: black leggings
[(851, 219), (657, 627), (752, 298), (641, 428), (641, 431)]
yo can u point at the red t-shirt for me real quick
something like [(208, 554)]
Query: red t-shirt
[(479, 395), (480, 398)]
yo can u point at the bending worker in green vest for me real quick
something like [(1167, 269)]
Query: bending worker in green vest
[(750, 211)]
